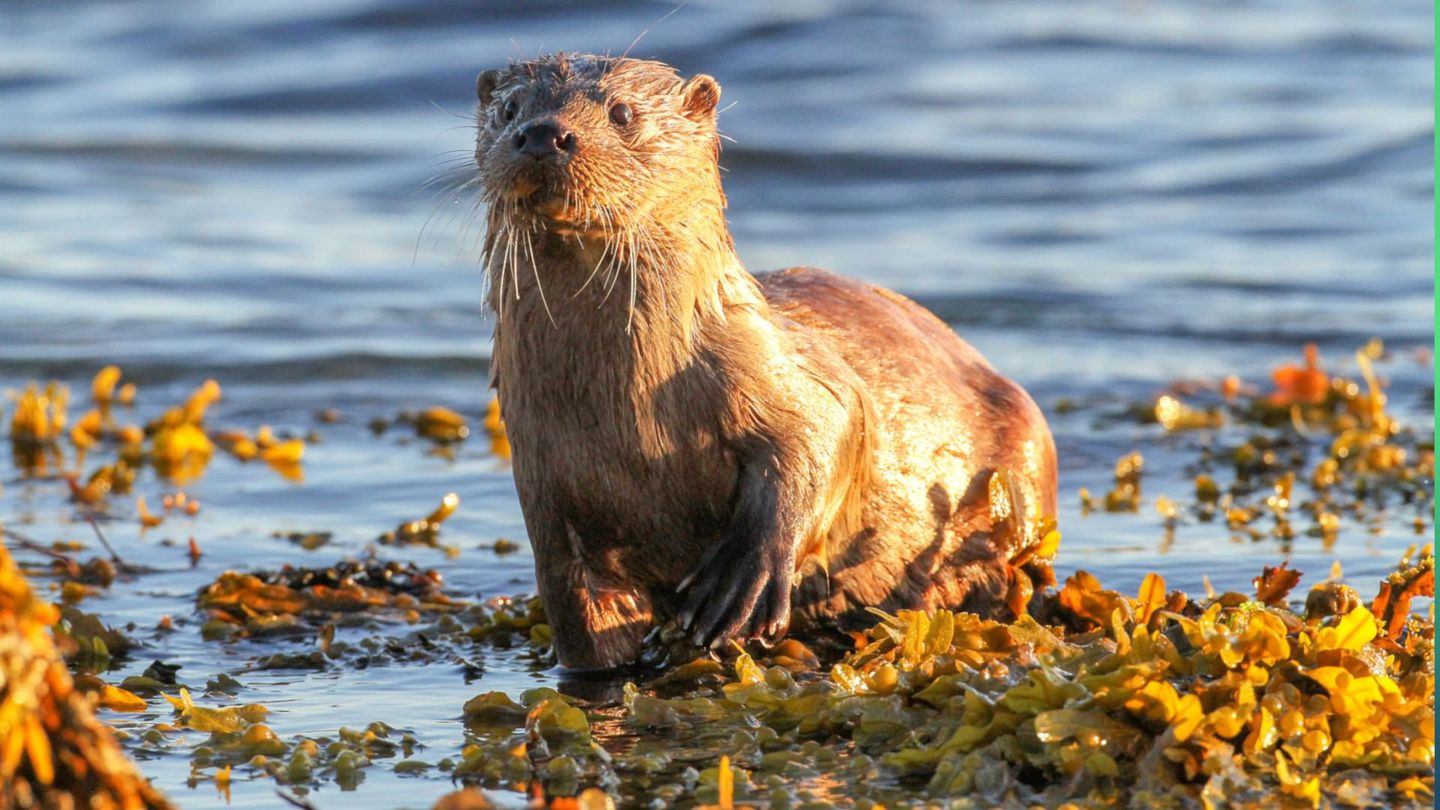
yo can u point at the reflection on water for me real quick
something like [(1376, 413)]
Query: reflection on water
[(1103, 198)]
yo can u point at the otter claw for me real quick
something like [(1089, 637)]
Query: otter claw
[(737, 593), (685, 583)]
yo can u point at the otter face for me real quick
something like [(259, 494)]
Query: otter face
[(593, 141)]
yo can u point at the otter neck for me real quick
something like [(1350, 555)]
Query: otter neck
[(657, 277)]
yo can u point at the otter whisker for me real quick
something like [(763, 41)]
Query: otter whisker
[(655, 255), (471, 218), (605, 251), (463, 117), (613, 271), (535, 269), (499, 260), (612, 245), (642, 34), (634, 273), (449, 168), (491, 238), (515, 268), (497, 266), (455, 180)]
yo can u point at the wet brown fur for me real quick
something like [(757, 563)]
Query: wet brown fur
[(664, 405)]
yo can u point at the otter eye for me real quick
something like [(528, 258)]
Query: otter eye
[(510, 110), (621, 114)]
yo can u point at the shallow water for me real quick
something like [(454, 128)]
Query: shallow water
[(1103, 198)]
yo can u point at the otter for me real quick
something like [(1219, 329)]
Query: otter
[(693, 442)]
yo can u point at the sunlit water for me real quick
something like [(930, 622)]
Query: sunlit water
[(1103, 198)]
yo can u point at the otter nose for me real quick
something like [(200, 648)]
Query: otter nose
[(543, 139)]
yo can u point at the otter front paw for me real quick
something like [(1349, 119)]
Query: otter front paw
[(738, 591)]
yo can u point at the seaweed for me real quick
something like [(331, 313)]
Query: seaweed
[(54, 749), (1151, 700), (1251, 697)]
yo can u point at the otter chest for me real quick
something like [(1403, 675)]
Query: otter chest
[(628, 464)]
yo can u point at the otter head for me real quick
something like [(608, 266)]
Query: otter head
[(593, 143)]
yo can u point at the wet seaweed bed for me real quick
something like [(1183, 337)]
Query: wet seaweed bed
[(317, 661)]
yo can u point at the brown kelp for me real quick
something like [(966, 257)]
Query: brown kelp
[(54, 753), (1111, 700)]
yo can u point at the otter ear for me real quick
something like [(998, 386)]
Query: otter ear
[(485, 85), (698, 97)]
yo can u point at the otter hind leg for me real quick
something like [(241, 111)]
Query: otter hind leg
[(596, 622), (596, 626)]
